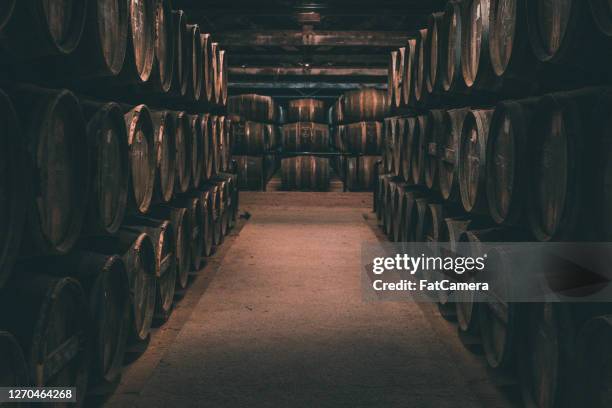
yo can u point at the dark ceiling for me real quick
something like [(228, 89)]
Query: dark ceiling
[(290, 48)]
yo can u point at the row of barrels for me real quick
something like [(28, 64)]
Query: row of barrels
[(77, 167), (359, 105), (255, 108), (508, 47), (113, 43), (540, 163), (254, 172), (544, 346), (82, 315)]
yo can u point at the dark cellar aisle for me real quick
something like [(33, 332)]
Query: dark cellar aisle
[(281, 323)]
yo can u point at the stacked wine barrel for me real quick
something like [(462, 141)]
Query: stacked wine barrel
[(116, 181), (255, 120), (499, 133), (357, 129), (305, 135)]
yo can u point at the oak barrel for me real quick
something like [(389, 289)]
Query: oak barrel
[(143, 160), (306, 110), (110, 162), (183, 139), (364, 137), (165, 149), (472, 160), (449, 154), (305, 137)]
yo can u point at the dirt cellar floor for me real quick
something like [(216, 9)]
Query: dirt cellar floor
[(276, 319)]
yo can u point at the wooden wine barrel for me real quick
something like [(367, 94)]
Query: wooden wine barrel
[(163, 238), (305, 173), (208, 129), (392, 79), (251, 172), (397, 145), (366, 104), (389, 127), (181, 77), (558, 32), (406, 148), (396, 210), (472, 161), (143, 160), (418, 149), (452, 33), (420, 67), (226, 138), (501, 321), (140, 56), (475, 58), (54, 131), (208, 224), (600, 11), (338, 111), (399, 78), (102, 49), (565, 156), (409, 70), (52, 327), (450, 231), (379, 198), (360, 174), (223, 72), (433, 220), (273, 133), (107, 288), (13, 187), (165, 148), (511, 57), (163, 70), (449, 154), (196, 149), (391, 206), (409, 221), (251, 138), (220, 196), (506, 167), (197, 64), (139, 257), (183, 232), (216, 199), (436, 127), (364, 137), (220, 150), (468, 304), (433, 76), (216, 73), (305, 137), (213, 142), (207, 82), (258, 108), (233, 195), (6, 13), (42, 30), (14, 370), (339, 137), (183, 139), (110, 163), (306, 110), (420, 227), (195, 213)]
